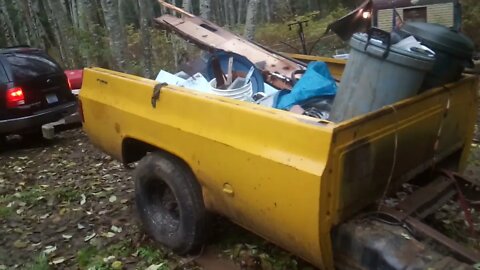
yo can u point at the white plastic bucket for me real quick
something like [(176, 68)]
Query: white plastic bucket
[(244, 92)]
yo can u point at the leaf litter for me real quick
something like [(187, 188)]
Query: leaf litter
[(75, 204)]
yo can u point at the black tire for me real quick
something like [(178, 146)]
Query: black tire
[(170, 203)]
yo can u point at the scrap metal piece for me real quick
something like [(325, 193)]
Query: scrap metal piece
[(69, 122), (462, 253), (353, 22), (370, 244), (211, 37), (428, 199), (156, 93), (175, 8)]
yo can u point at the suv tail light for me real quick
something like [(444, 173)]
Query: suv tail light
[(69, 84), (15, 97)]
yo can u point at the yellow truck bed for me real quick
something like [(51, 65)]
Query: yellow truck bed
[(286, 177)]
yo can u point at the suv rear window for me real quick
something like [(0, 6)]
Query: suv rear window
[(28, 65)]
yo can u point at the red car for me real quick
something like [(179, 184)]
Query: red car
[(75, 78)]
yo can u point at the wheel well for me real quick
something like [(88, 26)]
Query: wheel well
[(133, 150)]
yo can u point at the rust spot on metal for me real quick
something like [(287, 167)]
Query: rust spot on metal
[(117, 128)]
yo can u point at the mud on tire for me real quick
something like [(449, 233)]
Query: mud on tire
[(170, 203)]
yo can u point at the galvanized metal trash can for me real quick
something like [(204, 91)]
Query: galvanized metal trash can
[(377, 74), (453, 51)]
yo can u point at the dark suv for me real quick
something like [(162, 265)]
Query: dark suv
[(33, 91)]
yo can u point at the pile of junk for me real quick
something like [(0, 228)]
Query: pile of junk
[(382, 68)]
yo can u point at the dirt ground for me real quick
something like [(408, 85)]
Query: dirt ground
[(66, 205)]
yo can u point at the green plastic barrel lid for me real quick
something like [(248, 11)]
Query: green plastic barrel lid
[(442, 38)]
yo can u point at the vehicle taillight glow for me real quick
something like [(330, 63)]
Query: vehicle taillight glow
[(15, 97), (69, 84)]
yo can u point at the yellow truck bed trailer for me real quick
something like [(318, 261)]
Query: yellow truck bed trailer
[(289, 178)]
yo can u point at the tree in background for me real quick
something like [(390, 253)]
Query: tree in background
[(119, 33), (116, 32), (250, 23), (206, 9), (145, 18), (7, 25), (471, 20)]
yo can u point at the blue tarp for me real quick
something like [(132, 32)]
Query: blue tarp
[(316, 82)]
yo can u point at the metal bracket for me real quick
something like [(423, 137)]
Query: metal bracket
[(156, 93)]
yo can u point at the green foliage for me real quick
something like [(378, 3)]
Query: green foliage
[(277, 35), (85, 256), (94, 46), (40, 263), (94, 259), (471, 20), (67, 194), (5, 212), (151, 255)]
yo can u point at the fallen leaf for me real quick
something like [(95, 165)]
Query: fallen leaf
[(49, 249), (20, 244), (66, 236), (80, 226), (58, 260), (109, 258), (112, 199), (108, 234), (155, 266), (90, 237), (83, 200), (116, 229), (117, 265)]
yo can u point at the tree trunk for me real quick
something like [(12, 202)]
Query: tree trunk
[(231, 11), (206, 9), (251, 23), (121, 12), (64, 27), (187, 6), (118, 40), (146, 38), (89, 26), (241, 11), (25, 38), (56, 32), (38, 28), (268, 10), (74, 12), (35, 30), (7, 25)]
